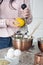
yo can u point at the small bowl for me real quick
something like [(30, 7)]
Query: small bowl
[(40, 44), (3, 61), (38, 59)]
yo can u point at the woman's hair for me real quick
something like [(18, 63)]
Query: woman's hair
[(10, 4), (11, 1), (1, 1)]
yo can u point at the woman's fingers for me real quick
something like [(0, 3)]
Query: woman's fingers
[(25, 13), (12, 23), (16, 24)]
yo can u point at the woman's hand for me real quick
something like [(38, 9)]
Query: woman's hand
[(12, 23), (25, 13)]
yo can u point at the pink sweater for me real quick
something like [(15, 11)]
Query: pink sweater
[(7, 12)]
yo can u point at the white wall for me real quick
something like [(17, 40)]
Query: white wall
[(37, 12), (37, 8)]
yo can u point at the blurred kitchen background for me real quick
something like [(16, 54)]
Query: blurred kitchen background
[(37, 13)]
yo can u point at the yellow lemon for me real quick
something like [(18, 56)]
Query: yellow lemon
[(20, 21)]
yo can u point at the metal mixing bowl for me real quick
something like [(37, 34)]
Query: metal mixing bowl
[(40, 44), (22, 43)]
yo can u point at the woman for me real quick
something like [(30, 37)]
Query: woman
[(10, 10)]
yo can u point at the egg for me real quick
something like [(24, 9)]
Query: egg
[(10, 53), (17, 52)]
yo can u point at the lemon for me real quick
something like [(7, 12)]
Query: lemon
[(20, 21)]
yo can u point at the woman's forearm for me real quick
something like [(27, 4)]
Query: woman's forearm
[(12, 23), (9, 22)]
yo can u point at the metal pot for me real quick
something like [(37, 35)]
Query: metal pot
[(40, 44), (38, 59), (22, 43)]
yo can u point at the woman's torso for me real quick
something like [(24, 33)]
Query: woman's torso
[(7, 12)]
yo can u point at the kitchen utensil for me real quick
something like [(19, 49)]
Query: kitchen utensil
[(36, 27), (23, 6), (40, 44), (22, 43), (38, 59)]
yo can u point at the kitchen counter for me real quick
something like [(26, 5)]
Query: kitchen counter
[(26, 58)]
